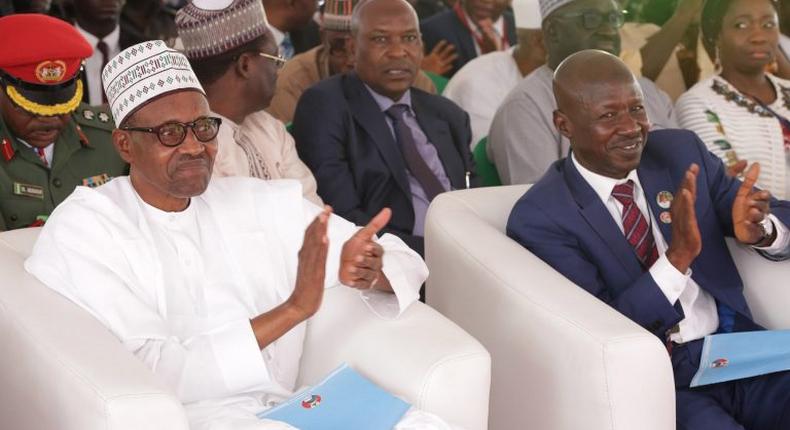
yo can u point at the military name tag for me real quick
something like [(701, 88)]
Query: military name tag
[(28, 190), (95, 181)]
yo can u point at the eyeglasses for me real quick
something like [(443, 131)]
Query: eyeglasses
[(279, 60), (593, 19), (172, 134)]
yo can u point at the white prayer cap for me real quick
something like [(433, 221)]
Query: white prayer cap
[(143, 72), (213, 27), (549, 6), (527, 14)]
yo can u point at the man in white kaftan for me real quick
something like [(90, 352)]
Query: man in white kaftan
[(481, 85), (209, 282), (238, 68), (179, 289), (523, 140)]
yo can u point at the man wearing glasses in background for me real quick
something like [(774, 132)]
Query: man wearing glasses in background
[(330, 58), (234, 55), (523, 141)]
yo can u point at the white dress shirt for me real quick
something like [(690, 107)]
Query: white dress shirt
[(93, 64), (699, 307), (49, 151)]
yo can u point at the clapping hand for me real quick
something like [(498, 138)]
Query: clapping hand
[(750, 207), (491, 41), (686, 240), (361, 259), (311, 271), (441, 58)]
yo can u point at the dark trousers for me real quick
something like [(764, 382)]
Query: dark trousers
[(759, 403)]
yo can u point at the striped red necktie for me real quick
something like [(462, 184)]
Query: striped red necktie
[(42, 155), (635, 226)]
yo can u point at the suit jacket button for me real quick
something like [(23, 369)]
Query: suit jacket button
[(56, 182), (13, 218)]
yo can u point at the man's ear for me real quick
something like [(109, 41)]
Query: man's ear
[(563, 124), (352, 46), (243, 66), (550, 32), (123, 144)]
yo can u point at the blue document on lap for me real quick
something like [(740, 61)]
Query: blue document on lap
[(343, 400), (731, 356)]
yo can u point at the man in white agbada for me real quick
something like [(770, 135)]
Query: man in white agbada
[(483, 83), (523, 141), (233, 53), (209, 281)]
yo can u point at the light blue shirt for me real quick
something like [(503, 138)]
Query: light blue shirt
[(428, 152)]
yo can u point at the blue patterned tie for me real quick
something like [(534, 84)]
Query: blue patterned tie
[(287, 47), (414, 161)]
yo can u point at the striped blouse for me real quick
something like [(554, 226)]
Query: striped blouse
[(735, 128)]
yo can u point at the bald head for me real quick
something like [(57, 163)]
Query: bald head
[(582, 73), (600, 109), (379, 8)]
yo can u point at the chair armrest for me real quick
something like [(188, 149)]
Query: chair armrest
[(421, 357), (61, 369), (562, 359), (765, 286)]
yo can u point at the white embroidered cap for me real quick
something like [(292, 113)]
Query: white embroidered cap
[(549, 6), (212, 27), (143, 72), (527, 14)]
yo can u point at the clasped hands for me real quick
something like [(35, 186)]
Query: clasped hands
[(361, 261), (749, 208)]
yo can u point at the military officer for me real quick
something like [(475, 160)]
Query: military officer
[(49, 142)]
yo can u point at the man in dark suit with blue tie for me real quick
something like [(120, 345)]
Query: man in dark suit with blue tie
[(473, 27), (373, 141), (606, 218)]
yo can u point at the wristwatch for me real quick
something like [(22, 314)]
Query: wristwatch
[(767, 227)]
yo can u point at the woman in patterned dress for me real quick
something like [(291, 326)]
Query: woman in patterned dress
[(742, 113)]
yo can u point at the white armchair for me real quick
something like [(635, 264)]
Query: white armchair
[(61, 369), (562, 359)]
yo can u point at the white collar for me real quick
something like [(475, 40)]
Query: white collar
[(111, 39), (278, 35), (603, 185)]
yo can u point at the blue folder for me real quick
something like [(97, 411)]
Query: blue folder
[(731, 356), (343, 400)]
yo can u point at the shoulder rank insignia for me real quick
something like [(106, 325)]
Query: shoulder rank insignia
[(88, 114), (83, 137), (95, 181), (8, 151), (104, 117)]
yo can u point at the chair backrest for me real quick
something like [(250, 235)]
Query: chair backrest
[(552, 344), (486, 170), (61, 368), (439, 81)]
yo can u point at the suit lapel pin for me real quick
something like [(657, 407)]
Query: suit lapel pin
[(664, 199), (665, 217)]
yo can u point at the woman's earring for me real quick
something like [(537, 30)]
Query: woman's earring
[(717, 60)]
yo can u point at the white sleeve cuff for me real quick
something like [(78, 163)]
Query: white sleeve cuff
[(782, 237), (238, 356), (670, 281), (405, 271)]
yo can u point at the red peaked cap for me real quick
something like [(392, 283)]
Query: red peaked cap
[(40, 49)]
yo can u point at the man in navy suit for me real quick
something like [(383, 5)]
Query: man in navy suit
[(603, 218), (373, 141), (473, 27)]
